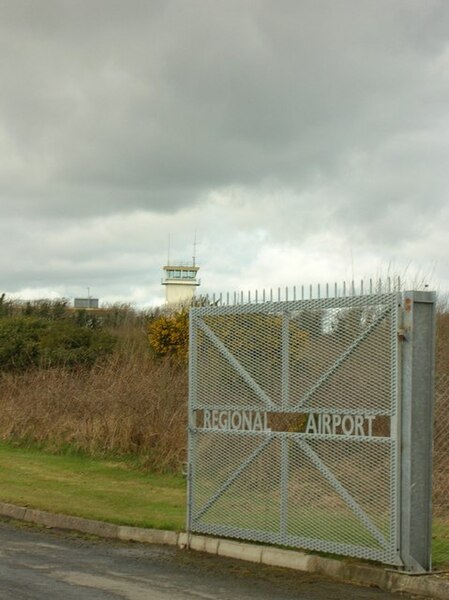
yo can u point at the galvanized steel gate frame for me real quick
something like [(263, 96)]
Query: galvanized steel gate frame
[(403, 541)]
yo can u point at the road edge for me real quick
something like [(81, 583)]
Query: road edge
[(428, 585)]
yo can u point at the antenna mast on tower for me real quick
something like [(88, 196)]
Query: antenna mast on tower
[(181, 279), (194, 248)]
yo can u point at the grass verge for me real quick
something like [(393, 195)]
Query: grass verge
[(440, 543), (105, 490), (115, 491)]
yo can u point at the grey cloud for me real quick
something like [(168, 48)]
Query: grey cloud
[(303, 117), (154, 103)]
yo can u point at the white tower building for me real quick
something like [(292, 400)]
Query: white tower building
[(180, 283)]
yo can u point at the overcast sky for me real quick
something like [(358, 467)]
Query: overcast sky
[(303, 141)]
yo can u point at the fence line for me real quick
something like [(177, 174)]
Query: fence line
[(306, 292)]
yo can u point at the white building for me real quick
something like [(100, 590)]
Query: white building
[(180, 283)]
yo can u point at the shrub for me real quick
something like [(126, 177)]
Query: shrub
[(19, 342), (30, 341), (68, 344), (6, 306), (168, 334), (52, 310)]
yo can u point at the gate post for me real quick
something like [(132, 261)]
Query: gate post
[(416, 424)]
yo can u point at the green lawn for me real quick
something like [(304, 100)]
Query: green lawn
[(105, 490), (118, 492), (440, 543)]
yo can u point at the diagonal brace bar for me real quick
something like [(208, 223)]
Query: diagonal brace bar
[(343, 493), (230, 480), (235, 363), (346, 354)]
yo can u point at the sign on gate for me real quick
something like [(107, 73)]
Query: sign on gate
[(296, 423)]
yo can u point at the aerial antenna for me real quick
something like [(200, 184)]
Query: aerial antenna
[(168, 251), (194, 248)]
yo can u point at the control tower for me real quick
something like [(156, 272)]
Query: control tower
[(180, 279), (180, 282)]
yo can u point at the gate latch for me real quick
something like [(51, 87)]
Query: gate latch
[(403, 335)]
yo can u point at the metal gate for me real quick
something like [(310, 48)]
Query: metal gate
[(293, 424)]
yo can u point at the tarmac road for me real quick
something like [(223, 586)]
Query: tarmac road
[(37, 564)]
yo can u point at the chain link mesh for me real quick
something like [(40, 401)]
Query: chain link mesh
[(440, 545), (238, 476), (330, 485)]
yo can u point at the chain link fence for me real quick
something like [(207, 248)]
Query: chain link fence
[(290, 440), (440, 546)]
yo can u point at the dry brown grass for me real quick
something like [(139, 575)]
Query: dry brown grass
[(129, 403), (126, 405), (442, 342)]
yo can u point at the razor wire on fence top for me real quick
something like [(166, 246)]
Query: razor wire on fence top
[(440, 541)]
